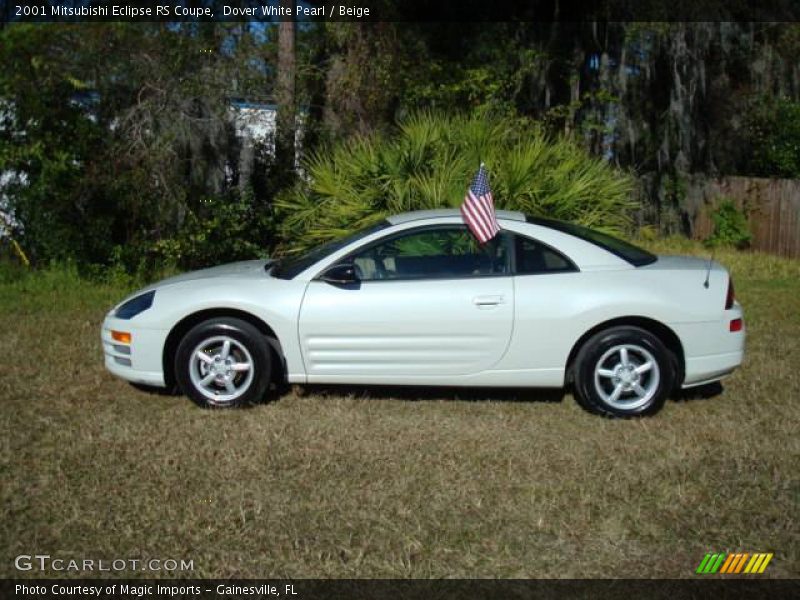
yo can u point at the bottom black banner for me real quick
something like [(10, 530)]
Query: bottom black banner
[(398, 589)]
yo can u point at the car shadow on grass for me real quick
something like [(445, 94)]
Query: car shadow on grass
[(154, 390), (701, 392), (427, 393)]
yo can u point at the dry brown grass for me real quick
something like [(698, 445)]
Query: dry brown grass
[(392, 483)]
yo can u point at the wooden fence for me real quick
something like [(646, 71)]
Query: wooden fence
[(772, 207)]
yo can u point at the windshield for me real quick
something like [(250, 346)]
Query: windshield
[(633, 254), (289, 267)]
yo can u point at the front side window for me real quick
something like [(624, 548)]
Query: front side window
[(289, 267), (435, 253)]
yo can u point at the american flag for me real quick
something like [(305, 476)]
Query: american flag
[(478, 208)]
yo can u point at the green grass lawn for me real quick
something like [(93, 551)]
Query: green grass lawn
[(392, 483)]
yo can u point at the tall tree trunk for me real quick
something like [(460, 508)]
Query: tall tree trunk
[(284, 143)]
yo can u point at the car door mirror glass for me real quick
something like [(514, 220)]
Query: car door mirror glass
[(341, 274)]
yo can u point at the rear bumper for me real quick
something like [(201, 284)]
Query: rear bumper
[(137, 362), (706, 369), (712, 351)]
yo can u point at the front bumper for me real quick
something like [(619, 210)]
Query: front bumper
[(137, 362)]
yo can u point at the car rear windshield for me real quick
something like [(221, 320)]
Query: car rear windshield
[(626, 251), (289, 267)]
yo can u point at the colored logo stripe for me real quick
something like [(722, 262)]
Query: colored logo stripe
[(739, 562), (703, 563), (711, 563), (758, 563), (727, 564)]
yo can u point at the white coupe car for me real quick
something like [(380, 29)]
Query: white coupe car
[(414, 300)]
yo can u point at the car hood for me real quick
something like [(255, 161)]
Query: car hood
[(245, 269)]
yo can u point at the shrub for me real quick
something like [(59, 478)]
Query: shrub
[(224, 229), (10, 269), (774, 128), (730, 227), (429, 160)]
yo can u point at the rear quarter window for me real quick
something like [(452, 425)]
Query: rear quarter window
[(533, 257), (628, 252)]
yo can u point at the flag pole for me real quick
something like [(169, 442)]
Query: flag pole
[(708, 269)]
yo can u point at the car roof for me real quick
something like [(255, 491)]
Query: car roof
[(419, 215)]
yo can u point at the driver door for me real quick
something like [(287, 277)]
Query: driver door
[(430, 302)]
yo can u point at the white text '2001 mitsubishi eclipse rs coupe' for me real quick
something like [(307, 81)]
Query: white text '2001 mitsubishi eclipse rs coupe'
[(414, 300)]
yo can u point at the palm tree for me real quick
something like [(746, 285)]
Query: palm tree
[(428, 162)]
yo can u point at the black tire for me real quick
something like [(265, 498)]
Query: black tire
[(599, 355), (246, 346)]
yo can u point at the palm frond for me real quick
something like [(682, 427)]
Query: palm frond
[(428, 162)]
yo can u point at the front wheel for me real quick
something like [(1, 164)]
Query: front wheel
[(223, 363), (624, 372)]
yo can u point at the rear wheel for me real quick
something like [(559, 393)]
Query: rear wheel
[(223, 363), (624, 372)]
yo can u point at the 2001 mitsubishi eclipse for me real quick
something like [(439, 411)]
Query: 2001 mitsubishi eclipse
[(415, 300)]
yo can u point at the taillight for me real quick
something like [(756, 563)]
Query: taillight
[(730, 297), (736, 325)]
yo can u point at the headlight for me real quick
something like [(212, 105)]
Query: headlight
[(136, 305)]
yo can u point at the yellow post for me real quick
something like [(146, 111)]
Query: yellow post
[(17, 248), (20, 253)]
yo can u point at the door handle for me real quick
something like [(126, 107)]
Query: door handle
[(487, 301)]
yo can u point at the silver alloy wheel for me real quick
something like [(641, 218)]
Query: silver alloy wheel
[(627, 376), (221, 369)]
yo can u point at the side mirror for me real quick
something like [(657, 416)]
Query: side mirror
[(341, 274)]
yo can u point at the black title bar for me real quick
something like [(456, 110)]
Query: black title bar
[(267, 11)]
